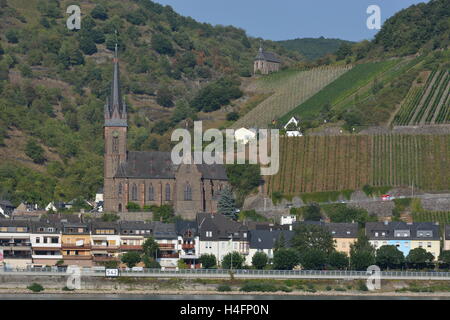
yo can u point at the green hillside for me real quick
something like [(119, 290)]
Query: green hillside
[(54, 83), (313, 48)]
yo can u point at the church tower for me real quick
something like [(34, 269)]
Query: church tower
[(115, 135)]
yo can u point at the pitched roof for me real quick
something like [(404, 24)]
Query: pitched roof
[(337, 229), (267, 56), (159, 165), (266, 239), (404, 230), (221, 227)]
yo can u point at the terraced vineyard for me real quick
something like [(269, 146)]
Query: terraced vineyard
[(427, 104), (289, 89), (443, 217), (337, 163)]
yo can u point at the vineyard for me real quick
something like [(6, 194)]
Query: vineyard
[(436, 216), (428, 103), (342, 88), (337, 163), (289, 89)]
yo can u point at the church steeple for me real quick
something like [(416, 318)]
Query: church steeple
[(115, 107)]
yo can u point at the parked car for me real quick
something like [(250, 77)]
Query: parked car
[(386, 197)]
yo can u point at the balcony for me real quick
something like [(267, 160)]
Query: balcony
[(75, 257), (71, 246), (47, 256), (46, 245), (104, 259), (166, 246), (130, 247), (188, 256), (104, 247), (186, 246), (169, 255)]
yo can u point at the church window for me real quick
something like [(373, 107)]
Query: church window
[(167, 192), (134, 193), (115, 142), (151, 193), (187, 192), (120, 189)]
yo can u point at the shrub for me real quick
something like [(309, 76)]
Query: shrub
[(362, 286), (35, 287), (224, 288), (262, 287), (328, 288)]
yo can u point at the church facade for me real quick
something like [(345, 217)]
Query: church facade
[(151, 178)]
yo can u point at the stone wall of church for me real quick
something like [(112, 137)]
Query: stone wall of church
[(265, 67)]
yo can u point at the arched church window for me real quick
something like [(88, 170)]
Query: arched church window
[(134, 192), (120, 189), (151, 193), (187, 192), (115, 142), (167, 192)]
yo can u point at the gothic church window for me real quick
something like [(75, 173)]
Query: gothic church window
[(151, 193), (187, 192), (134, 192), (120, 189), (167, 192)]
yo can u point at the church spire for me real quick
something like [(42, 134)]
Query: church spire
[(115, 108)]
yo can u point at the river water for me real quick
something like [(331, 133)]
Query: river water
[(49, 296)]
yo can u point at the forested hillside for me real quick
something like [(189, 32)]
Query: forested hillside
[(54, 83), (314, 48)]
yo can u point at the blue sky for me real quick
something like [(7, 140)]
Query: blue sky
[(289, 19)]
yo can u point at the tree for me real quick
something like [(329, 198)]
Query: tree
[(87, 45), (226, 204), (162, 44), (285, 259), (150, 247), (164, 97), (259, 260), (150, 262), (233, 257), (344, 50), (208, 261), (313, 259), (444, 258), (131, 258), (12, 36), (419, 258), (389, 257), (99, 12), (280, 242), (109, 217), (164, 213), (308, 236), (232, 116), (362, 254), (244, 178), (338, 260), (312, 212), (35, 151)]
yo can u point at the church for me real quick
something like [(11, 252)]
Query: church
[(266, 62), (151, 178)]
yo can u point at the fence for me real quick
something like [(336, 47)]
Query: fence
[(238, 274)]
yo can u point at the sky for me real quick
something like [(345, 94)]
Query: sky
[(290, 19)]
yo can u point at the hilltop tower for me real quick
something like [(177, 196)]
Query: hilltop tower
[(115, 135)]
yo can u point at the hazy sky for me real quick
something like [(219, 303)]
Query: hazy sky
[(289, 19)]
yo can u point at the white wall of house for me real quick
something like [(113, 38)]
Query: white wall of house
[(252, 251), (222, 248)]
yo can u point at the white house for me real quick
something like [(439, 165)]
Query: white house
[(288, 220), (293, 133), (244, 135), (265, 241)]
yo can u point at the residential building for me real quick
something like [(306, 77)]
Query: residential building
[(76, 244), (446, 237), (15, 243), (167, 239), (344, 234), (105, 242), (189, 241), (46, 243), (265, 241), (6, 208), (405, 236), (220, 235)]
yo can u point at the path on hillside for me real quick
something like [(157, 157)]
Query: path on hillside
[(371, 200)]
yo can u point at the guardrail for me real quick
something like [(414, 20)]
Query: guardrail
[(241, 273)]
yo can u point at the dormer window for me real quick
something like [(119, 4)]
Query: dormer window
[(208, 234)]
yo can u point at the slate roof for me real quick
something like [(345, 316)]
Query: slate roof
[(135, 225), (266, 239), (164, 230), (221, 228), (104, 225), (36, 225), (337, 229), (159, 165), (182, 226), (267, 56), (15, 223), (447, 232), (411, 229)]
